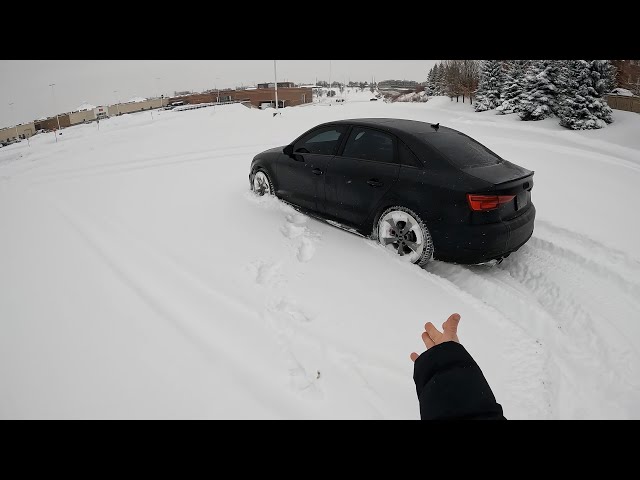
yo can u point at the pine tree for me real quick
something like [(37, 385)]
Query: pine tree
[(540, 90), (603, 74), (440, 80), (434, 80), (429, 85), (490, 86), (512, 88), (582, 104)]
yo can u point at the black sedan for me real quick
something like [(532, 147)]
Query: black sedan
[(422, 190)]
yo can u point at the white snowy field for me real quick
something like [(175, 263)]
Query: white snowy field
[(139, 277)]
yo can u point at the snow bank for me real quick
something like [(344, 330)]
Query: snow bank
[(413, 97), (622, 91)]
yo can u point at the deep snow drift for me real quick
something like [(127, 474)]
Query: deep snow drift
[(141, 279)]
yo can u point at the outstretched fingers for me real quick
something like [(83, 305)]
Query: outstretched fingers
[(451, 324), (428, 341), (432, 336), (433, 332)]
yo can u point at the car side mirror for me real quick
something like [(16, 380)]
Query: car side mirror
[(288, 150)]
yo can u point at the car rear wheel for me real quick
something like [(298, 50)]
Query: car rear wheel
[(402, 231), (261, 184)]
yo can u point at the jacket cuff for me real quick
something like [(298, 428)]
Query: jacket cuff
[(439, 359)]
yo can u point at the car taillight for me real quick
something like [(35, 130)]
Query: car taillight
[(487, 202)]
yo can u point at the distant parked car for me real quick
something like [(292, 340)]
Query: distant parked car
[(421, 190)]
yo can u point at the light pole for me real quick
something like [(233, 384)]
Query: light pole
[(54, 104), (14, 118), (160, 94), (275, 82), (117, 100)]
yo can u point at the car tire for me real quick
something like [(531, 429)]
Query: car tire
[(261, 183), (390, 230)]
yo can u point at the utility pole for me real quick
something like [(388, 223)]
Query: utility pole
[(160, 94), (54, 105), (275, 78), (329, 81), (14, 119), (117, 100)]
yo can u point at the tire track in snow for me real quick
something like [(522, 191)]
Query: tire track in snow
[(97, 167), (556, 294), (582, 302), (600, 259), (531, 380), (119, 168)]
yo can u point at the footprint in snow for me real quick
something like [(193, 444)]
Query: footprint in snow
[(284, 318), (295, 229), (289, 309), (306, 250), (266, 273)]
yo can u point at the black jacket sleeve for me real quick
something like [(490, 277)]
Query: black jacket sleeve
[(450, 385)]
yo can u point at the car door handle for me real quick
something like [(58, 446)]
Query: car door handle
[(316, 171), (374, 183)]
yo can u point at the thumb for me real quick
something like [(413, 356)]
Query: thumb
[(450, 326)]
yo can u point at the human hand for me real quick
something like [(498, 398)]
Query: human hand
[(432, 336)]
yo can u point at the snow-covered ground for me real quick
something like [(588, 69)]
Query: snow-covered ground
[(139, 277)]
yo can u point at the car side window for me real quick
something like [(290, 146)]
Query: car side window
[(323, 141), (407, 157), (370, 144)]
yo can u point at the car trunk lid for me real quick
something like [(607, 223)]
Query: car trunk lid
[(504, 179)]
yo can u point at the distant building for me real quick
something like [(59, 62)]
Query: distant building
[(24, 131), (132, 107), (280, 85), (82, 116), (51, 123), (288, 96), (101, 112), (257, 97)]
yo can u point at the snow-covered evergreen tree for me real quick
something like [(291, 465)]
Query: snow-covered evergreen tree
[(429, 88), (540, 90), (603, 74), (513, 77), (490, 86), (441, 80), (582, 106)]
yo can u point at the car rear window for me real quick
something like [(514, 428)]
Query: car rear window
[(463, 151)]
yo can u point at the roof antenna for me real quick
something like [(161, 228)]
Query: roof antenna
[(436, 126)]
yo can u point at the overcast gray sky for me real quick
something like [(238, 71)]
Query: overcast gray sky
[(26, 82)]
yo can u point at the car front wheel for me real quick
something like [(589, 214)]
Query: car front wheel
[(261, 184), (402, 231)]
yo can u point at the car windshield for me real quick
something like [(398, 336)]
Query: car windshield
[(463, 151)]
